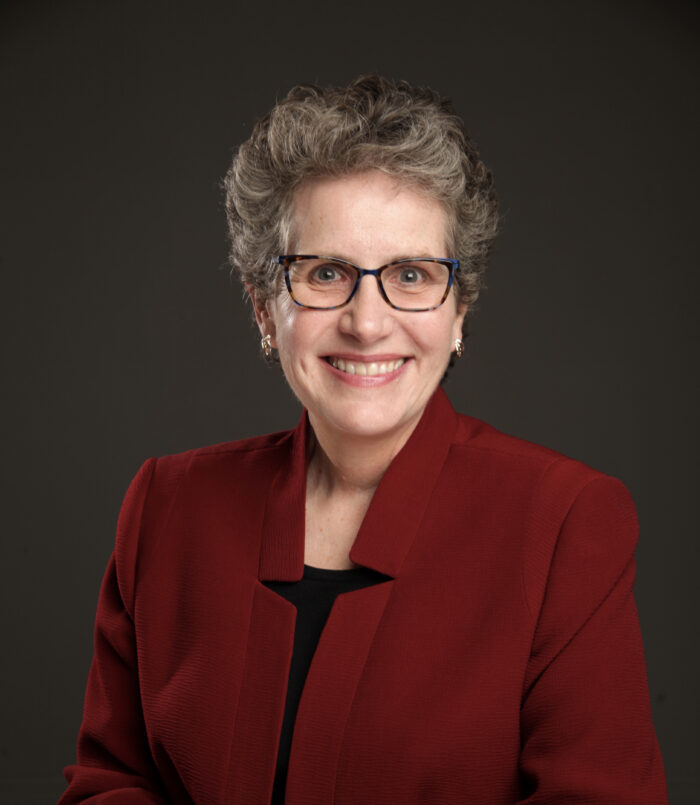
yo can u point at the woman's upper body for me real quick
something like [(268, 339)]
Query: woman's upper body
[(497, 658)]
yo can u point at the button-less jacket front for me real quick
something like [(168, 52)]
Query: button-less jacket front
[(499, 663)]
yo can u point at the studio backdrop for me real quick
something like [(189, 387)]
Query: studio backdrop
[(126, 338)]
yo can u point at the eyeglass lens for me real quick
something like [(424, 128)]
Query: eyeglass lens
[(323, 283)]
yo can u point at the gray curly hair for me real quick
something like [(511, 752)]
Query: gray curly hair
[(374, 123)]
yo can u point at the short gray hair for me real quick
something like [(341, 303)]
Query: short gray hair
[(374, 123)]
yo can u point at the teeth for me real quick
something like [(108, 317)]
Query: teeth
[(370, 369)]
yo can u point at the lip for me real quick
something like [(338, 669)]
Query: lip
[(356, 357), (365, 381)]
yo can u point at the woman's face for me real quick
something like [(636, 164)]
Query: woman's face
[(369, 219)]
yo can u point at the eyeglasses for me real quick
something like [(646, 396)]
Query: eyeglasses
[(324, 283)]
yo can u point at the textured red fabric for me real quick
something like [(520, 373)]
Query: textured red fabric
[(501, 663)]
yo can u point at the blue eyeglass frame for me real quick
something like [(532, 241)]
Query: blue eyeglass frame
[(287, 259)]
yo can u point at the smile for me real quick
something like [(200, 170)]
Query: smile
[(365, 369)]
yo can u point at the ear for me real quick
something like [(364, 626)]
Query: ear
[(264, 313), (459, 322)]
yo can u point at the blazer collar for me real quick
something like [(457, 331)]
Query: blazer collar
[(394, 515)]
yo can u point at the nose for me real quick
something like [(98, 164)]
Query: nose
[(367, 317)]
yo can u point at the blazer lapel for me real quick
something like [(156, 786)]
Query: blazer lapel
[(400, 501), (328, 694), (258, 719), (270, 635), (384, 539)]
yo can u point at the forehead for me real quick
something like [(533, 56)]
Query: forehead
[(366, 215)]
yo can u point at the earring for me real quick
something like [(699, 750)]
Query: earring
[(266, 344), (459, 347)]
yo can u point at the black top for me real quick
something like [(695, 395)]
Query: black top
[(313, 597)]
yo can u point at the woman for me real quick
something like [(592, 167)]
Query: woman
[(436, 612)]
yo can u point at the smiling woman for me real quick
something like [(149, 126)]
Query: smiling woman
[(373, 219), (393, 602)]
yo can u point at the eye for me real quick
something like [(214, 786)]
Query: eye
[(409, 276), (328, 272), (325, 273)]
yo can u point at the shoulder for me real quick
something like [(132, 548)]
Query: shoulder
[(523, 462), (160, 478), (477, 435), (575, 521), (159, 474), (241, 456), (549, 495), (571, 529), (238, 448), (209, 482)]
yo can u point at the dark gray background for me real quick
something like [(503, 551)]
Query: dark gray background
[(125, 339)]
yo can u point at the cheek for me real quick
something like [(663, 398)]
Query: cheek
[(284, 318), (437, 337), (296, 340)]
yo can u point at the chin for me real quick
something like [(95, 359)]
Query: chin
[(366, 422)]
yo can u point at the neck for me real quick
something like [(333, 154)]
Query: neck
[(343, 462)]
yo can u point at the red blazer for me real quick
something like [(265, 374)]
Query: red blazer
[(500, 663)]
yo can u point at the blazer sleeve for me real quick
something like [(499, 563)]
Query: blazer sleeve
[(586, 729), (114, 763)]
